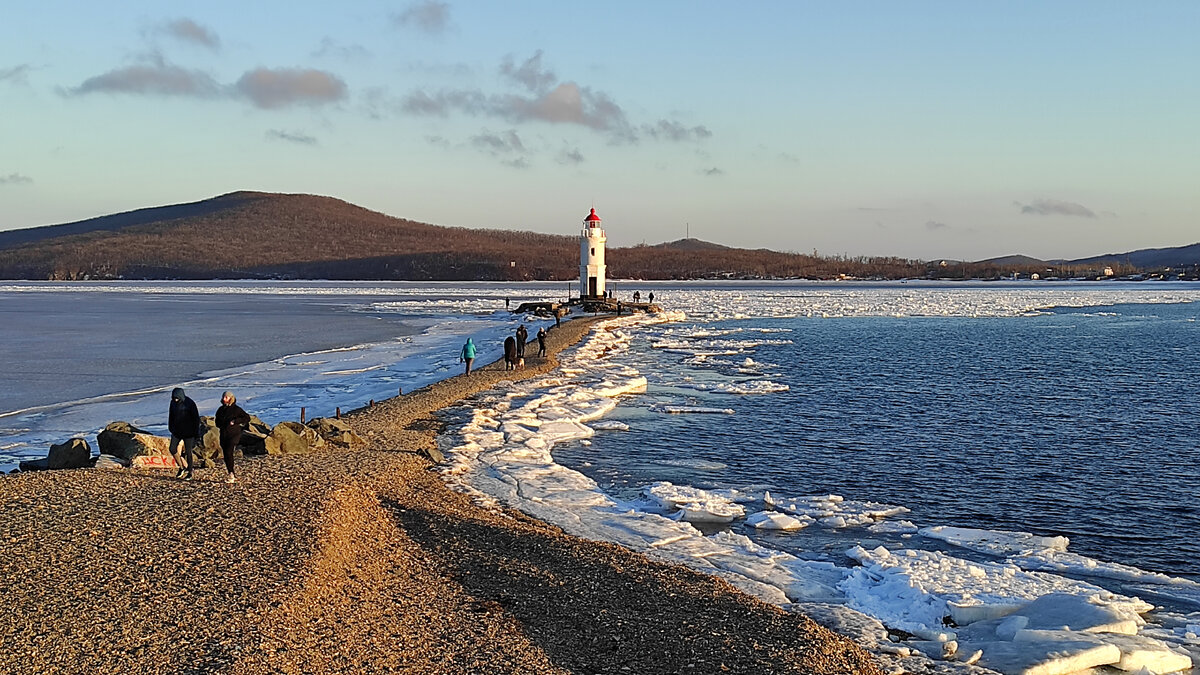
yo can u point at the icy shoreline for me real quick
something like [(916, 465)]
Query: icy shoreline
[(504, 455)]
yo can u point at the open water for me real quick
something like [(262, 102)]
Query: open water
[(1081, 422)]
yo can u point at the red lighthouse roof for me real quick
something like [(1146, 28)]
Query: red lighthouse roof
[(592, 217)]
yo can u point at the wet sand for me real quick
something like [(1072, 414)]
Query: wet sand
[(358, 562)]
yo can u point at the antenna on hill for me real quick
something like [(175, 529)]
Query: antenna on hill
[(687, 230)]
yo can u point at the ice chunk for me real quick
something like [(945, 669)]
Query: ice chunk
[(609, 425), (1057, 560), (834, 511), (1145, 654), (774, 520), (710, 511), (912, 590), (692, 410), (995, 542), (892, 527), (1060, 655)]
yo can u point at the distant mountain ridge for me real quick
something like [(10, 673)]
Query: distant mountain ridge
[(296, 236)]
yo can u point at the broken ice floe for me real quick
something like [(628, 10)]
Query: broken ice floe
[(834, 511), (774, 520), (695, 505)]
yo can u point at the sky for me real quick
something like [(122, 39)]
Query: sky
[(917, 129)]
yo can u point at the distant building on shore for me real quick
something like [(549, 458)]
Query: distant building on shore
[(591, 257)]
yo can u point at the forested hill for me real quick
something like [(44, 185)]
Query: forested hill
[(262, 235)]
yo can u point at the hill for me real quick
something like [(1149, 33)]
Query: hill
[(263, 235)]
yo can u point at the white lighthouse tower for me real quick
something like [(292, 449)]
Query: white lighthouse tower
[(591, 257)]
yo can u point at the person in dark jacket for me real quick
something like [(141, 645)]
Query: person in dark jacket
[(183, 421), (510, 353), (522, 338), (231, 420), (541, 336)]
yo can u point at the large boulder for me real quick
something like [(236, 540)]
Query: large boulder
[(256, 438), (141, 448), (337, 432), (74, 454), (293, 438), (207, 452)]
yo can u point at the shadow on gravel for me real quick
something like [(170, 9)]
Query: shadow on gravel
[(595, 607)]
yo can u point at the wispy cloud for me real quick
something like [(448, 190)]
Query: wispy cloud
[(1055, 207), (15, 179), (291, 137), (281, 87), (331, 48), (570, 156), (263, 87), (934, 225), (190, 31), (567, 103), (17, 74), (530, 74), (154, 78), (670, 130), (714, 171), (544, 98), (505, 142), (429, 16)]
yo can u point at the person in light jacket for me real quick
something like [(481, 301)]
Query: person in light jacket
[(468, 354), (231, 420)]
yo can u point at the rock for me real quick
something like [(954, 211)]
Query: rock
[(111, 462), (337, 432), (122, 439), (292, 438), (34, 465), (433, 454), (254, 442), (208, 451), (74, 454)]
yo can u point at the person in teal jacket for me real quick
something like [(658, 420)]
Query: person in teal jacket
[(468, 354)]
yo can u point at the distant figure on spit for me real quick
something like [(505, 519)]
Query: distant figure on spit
[(183, 421), (541, 336), (637, 296), (510, 353), (468, 354), (231, 420), (522, 338), (652, 297)]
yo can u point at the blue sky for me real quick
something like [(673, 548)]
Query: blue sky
[(917, 129)]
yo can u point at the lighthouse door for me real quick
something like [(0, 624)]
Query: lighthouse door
[(592, 286)]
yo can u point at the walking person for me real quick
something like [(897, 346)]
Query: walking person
[(652, 297), (637, 296), (183, 421), (541, 336), (510, 353), (231, 420), (522, 338), (468, 355)]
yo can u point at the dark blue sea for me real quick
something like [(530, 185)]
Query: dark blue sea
[(1083, 422)]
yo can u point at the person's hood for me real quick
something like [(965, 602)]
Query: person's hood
[(177, 394)]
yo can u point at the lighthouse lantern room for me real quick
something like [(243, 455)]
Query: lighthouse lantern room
[(591, 257)]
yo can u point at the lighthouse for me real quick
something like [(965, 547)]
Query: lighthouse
[(591, 257)]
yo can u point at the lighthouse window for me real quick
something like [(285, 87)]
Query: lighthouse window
[(593, 251)]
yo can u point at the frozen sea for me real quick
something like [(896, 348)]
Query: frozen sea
[(895, 448)]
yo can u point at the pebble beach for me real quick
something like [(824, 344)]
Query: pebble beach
[(358, 561)]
